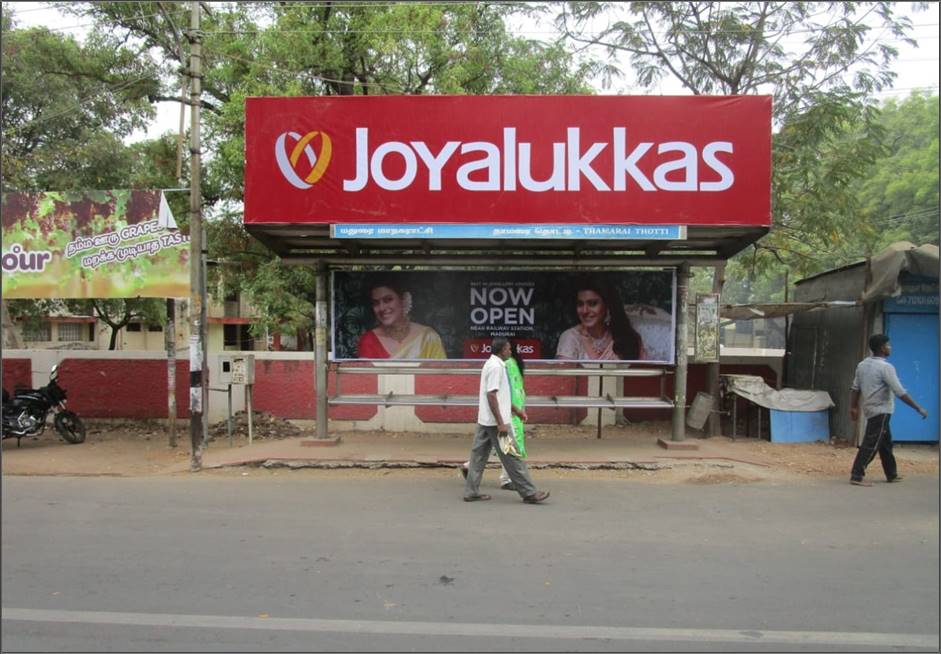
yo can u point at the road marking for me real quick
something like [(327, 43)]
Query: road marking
[(834, 638)]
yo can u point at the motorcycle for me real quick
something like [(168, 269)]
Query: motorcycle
[(25, 414)]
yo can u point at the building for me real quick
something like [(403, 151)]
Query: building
[(894, 292), (228, 329)]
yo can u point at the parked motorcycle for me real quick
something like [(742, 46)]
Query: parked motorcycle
[(25, 414)]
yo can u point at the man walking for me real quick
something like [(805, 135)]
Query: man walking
[(876, 381), (493, 419)]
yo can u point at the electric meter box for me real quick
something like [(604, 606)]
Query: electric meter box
[(237, 368)]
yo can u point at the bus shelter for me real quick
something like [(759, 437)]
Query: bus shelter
[(498, 210)]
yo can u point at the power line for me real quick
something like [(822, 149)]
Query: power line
[(66, 28), (360, 5), (114, 87), (912, 215), (306, 71), (905, 89)]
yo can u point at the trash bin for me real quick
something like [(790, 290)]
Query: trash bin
[(699, 411)]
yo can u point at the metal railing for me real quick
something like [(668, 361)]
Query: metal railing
[(600, 401)]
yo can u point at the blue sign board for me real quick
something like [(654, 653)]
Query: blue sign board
[(509, 231)]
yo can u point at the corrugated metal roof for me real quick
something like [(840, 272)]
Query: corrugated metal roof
[(834, 271)]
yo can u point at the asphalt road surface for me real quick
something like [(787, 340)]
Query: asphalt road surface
[(326, 561)]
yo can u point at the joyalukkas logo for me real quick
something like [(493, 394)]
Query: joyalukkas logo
[(508, 165), (315, 166)]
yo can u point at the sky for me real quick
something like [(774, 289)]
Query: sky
[(917, 68)]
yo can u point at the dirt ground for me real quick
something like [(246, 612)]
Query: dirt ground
[(140, 448)]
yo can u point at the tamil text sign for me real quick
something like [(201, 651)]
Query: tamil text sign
[(92, 244)]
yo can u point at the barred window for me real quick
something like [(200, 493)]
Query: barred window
[(70, 331), (37, 332)]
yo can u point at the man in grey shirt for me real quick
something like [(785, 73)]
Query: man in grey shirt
[(877, 383)]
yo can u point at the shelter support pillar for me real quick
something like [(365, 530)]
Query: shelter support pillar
[(320, 350), (682, 320), (714, 424)]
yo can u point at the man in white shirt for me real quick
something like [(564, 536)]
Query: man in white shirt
[(876, 382), (493, 419)]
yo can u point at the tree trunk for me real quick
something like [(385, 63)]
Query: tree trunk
[(11, 335), (114, 338)]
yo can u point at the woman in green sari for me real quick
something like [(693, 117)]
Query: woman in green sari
[(515, 369)]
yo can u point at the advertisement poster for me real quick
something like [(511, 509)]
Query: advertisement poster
[(707, 327), (549, 315), (92, 244)]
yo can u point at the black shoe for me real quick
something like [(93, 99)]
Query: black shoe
[(510, 486), (895, 479)]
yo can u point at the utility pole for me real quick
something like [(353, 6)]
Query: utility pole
[(171, 369), (713, 372), (682, 347), (320, 351), (197, 317)]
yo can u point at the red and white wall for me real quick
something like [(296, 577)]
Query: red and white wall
[(133, 385)]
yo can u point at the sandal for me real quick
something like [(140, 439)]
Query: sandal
[(537, 497)]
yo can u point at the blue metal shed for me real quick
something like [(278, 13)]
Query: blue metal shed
[(897, 294)]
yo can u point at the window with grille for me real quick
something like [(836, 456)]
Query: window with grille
[(71, 331), (37, 332), (237, 337)]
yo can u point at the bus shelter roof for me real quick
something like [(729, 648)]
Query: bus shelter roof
[(314, 243)]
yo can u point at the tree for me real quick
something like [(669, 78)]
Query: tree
[(816, 62), (899, 195), (293, 49), (66, 108), (118, 314)]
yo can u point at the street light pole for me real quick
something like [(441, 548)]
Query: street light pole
[(197, 317)]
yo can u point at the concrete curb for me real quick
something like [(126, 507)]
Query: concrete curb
[(350, 464)]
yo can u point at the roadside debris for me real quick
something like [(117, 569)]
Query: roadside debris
[(264, 425)]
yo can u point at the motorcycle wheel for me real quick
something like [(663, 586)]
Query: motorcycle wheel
[(70, 427)]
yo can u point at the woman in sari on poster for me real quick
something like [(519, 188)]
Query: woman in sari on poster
[(397, 336), (604, 332)]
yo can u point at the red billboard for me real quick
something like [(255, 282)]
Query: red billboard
[(682, 160)]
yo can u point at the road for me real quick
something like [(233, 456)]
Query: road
[(327, 561)]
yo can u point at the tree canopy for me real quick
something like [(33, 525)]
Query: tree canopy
[(293, 49), (66, 109), (823, 63), (67, 106), (899, 195), (848, 174)]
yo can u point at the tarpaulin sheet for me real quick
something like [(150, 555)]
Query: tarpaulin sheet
[(899, 257), (754, 389)]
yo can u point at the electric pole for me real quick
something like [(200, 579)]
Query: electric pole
[(197, 318)]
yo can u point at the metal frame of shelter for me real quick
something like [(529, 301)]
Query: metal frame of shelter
[(312, 245)]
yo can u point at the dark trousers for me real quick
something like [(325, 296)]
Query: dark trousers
[(878, 438)]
